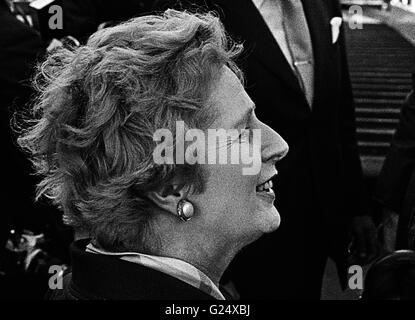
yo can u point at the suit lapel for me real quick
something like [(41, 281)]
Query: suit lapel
[(245, 20), (248, 23)]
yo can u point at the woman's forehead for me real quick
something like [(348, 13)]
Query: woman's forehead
[(229, 98)]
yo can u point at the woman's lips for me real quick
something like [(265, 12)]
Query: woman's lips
[(267, 195), (265, 191)]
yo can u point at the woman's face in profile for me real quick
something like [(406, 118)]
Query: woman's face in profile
[(238, 202)]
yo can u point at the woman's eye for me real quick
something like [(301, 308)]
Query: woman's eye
[(245, 134)]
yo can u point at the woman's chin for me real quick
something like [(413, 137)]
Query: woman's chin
[(271, 221)]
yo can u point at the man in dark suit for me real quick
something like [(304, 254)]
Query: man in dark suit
[(297, 75)]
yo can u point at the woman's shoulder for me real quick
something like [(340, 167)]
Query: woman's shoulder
[(98, 276)]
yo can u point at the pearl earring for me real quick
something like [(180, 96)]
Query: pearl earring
[(185, 210)]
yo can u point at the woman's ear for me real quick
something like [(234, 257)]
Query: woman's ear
[(168, 196)]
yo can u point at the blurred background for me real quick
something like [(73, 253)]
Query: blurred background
[(381, 54), (381, 50)]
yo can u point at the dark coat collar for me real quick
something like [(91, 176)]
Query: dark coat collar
[(96, 276)]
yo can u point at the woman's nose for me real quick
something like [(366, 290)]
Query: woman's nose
[(274, 147)]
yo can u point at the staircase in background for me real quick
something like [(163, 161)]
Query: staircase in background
[(381, 62)]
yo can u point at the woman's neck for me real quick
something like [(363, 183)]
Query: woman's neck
[(210, 253), (209, 258)]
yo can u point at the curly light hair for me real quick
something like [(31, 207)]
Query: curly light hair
[(91, 133)]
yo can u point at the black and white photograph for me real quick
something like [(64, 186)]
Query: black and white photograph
[(207, 156)]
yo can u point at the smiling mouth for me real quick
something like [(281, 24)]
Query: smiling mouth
[(266, 188)]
